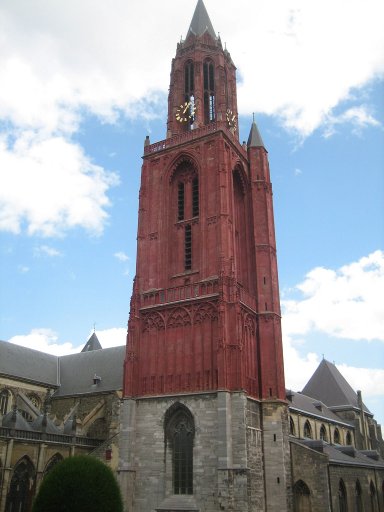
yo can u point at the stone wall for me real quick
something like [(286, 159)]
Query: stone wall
[(311, 466), (227, 453)]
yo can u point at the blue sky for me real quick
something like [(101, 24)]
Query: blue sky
[(82, 85)]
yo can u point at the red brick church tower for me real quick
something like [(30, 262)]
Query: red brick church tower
[(204, 418)]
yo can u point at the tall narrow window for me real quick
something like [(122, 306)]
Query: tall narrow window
[(323, 433), (372, 495), (188, 247), (180, 433), (343, 507), (4, 398), (209, 92), (180, 201), (358, 497), (291, 426), (195, 197), (307, 430), (189, 91), (189, 79)]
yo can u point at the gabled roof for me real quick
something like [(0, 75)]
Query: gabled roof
[(91, 372), (200, 22), (328, 385), (27, 364), (92, 344), (73, 374), (254, 139), (312, 407)]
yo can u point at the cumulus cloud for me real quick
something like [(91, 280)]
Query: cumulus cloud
[(44, 340), (48, 341), (61, 60), (112, 337), (296, 59), (50, 185), (344, 303)]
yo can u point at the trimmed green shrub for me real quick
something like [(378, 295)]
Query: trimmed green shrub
[(79, 484)]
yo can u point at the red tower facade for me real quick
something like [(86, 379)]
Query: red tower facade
[(205, 311)]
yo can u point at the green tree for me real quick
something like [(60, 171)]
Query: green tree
[(79, 484)]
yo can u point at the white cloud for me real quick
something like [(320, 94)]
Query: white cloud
[(346, 303), (44, 340), (46, 250), (112, 337), (23, 269), (297, 59), (49, 185), (359, 117), (121, 256)]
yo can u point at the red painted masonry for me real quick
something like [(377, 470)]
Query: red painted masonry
[(205, 312)]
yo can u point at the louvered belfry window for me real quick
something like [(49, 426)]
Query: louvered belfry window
[(209, 92)]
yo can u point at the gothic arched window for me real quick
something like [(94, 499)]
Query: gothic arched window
[(301, 497), (358, 497), (307, 430), (4, 401), (22, 487), (209, 91), (348, 439), (189, 90), (336, 436), (180, 431), (323, 433), (343, 507), (52, 463), (291, 426), (372, 495), (185, 198), (189, 79)]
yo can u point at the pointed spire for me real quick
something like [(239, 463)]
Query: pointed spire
[(92, 344), (200, 22), (254, 139)]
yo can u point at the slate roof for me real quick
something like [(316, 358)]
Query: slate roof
[(73, 374), (313, 407), (78, 371), (14, 419), (254, 139), (201, 22), (328, 385), (27, 364), (345, 455), (92, 344)]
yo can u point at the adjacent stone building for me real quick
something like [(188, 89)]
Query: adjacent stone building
[(53, 407)]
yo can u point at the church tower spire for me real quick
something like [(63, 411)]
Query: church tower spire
[(203, 373), (200, 22)]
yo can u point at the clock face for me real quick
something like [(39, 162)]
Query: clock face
[(186, 112), (231, 118)]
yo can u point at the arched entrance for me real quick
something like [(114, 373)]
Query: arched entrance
[(301, 497), (22, 487)]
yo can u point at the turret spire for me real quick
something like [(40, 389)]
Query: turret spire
[(200, 22), (254, 139)]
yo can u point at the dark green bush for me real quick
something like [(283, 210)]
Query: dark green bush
[(79, 484)]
